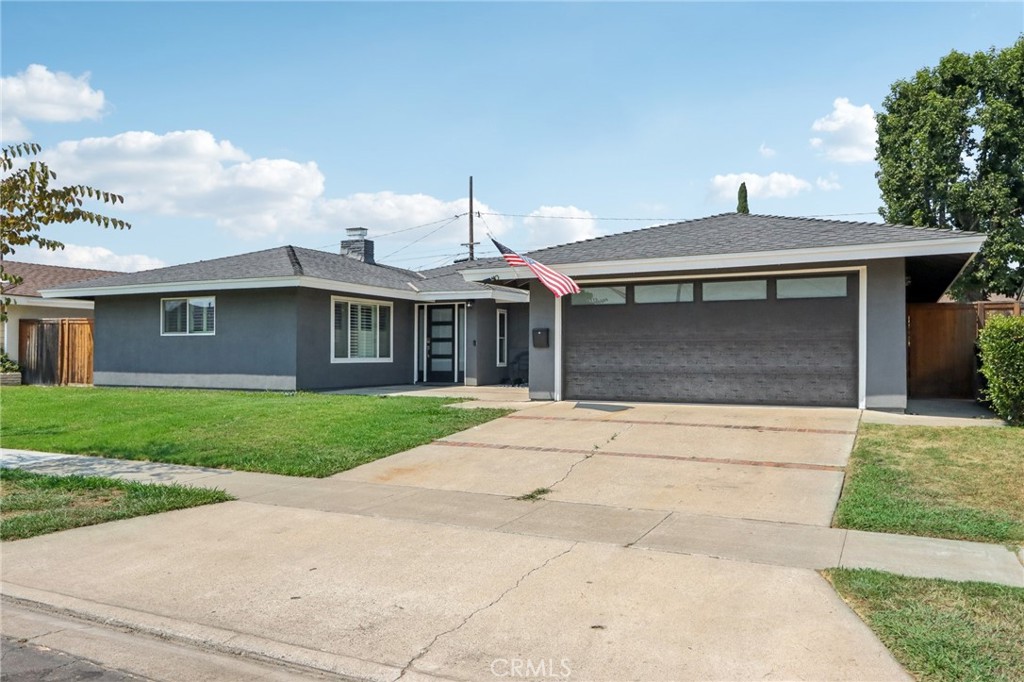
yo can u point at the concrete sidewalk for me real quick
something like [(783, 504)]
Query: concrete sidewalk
[(756, 541)]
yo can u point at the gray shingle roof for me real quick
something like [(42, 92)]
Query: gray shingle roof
[(281, 261), (447, 278), (35, 276), (730, 233), (293, 261)]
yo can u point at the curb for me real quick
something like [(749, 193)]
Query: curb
[(206, 637)]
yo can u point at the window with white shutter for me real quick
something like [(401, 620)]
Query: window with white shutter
[(361, 330)]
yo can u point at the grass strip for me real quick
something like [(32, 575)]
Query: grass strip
[(34, 504), (959, 483), (940, 630)]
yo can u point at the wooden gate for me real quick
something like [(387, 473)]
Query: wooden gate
[(56, 351), (941, 361)]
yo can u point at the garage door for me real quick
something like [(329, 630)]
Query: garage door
[(775, 341)]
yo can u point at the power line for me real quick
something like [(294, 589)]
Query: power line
[(434, 231), (638, 219), (838, 215), (571, 217), (404, 229), (416, 227)]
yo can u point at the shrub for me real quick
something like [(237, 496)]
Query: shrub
[(6, 364), (1002, 364)]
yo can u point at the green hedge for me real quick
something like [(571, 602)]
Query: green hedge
[(1002, 363)]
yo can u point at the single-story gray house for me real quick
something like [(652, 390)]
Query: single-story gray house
[(732, 308), (290, 319)]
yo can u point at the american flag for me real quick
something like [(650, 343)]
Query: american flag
[(559, 284)]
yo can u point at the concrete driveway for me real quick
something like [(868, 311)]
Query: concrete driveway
[(771, 464), (420, 566)]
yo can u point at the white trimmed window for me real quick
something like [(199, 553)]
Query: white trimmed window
[(502, 336), (360, 330), (188, 316), (811, 287)]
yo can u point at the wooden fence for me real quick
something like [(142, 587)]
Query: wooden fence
[(942, 358), (56, 351)]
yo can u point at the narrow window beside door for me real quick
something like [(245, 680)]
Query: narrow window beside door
[(502, 337)]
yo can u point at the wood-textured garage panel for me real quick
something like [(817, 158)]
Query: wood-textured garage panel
[(781, 352)]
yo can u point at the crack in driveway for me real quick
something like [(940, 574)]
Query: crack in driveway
[(425, 650), (597, 450)]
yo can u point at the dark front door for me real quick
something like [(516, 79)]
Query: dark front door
[(441, 343)]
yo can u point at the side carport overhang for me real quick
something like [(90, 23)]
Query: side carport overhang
[(889, 275)]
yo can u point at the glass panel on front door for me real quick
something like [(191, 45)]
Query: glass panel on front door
[(441, 344)]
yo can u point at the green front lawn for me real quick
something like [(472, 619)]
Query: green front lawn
[(296, 434), (34, 504), (940, 630), (961, 483)]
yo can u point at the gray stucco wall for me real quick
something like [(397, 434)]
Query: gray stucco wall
[(542, 360), (253, 347), (315, 369), (482, 331), (886, 386), (481, 341), (518, 341)]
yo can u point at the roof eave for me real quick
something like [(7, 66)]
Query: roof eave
[(484, 292), (73, 303), (499, 294), (952, 245)]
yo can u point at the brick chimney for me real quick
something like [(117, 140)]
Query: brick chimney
[(357, 245)]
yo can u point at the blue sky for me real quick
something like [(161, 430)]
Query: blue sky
[(236, 126)]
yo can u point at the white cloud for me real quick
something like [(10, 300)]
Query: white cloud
[(550, 225), (766, 151), (38, 94), (771, 186), (192, 174), (95, 257), (828, 184), (848, 132)]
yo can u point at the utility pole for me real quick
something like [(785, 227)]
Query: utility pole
[(471, 243)]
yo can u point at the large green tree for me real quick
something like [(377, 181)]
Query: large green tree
[(951, 155), (30, 200)]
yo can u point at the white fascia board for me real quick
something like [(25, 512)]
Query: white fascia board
[(72, 303), (513, 296), (937, 247), (284, 282), (365, 289), (235, 284), (175, 287)]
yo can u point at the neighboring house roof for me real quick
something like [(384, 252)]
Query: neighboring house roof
[(287, 266), (35, 276), (733, 240)]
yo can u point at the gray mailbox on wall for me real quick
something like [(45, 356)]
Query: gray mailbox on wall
[(540, 338)]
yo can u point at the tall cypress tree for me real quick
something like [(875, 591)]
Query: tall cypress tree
[(741, 199)]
